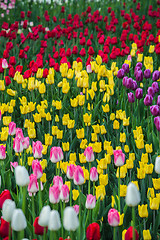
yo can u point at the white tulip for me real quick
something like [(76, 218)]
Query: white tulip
[(44, 216), (133, 195), (54, 223), (18, 222), (70, 219), (8, 209), (157, 165), (22, 176)]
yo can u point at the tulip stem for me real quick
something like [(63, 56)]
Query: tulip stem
[(44, 234), (119, 202), (133, 219), (33, 211), (70, 193), (20, 162), (93, 188), (24, 199), (9, 238), (89, 182), (71, 235), (40, 195), (24, 159), (79, 212), (114, 233)]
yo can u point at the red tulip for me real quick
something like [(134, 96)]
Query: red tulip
[(3, 196), (129, 234), (4, 228), (93, 232)]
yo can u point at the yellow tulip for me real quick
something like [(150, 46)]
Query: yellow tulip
[(115, 124), (154, 203), (74, 102), (44, 150), (75, 194), (70, 124), (121, 219), (81, 100), (149, 168), (150, 193), (126, 121), (32, 133), (80, 133), (43, 178), (48, 139), (72, 157), (65, 146), (48, 117), (105, 108), (146, 235), (83, 143), (6, 120), (149, 148), (122, 137), (126, 148), (82, 158), (100, 192), (142, 210), (43, 164), (65, 87), (103, 179), (123, 190), (30, 160), (2, 85), (54, 130), (156, 183), (103, 129), (58, 105)]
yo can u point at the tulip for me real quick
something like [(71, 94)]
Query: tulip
[(155, 87), (125, 67), (57, 180), (157, 122), (8, 209), (12, 128), (33, 184), (4, 64), (129, 234), (90, 201), (64, 194), (19, 133), (76, 208), (129, 83), (78, 176), (88, 153), (151, 91), (37, 149), (22, 176), (25, 143), (113, 217), (131, 98), (54, 223), (39, 230), (70, 171), (2, 152), (134, 85), (70, 219), (139, 76), (155, 75), (4, 229), (147, 73), (119, 158), (54, 194), (154, 110), (44, 216), (158, 100), (37, 168), (120, 73), (93, 174), (132, 195), (139, 93), (18, 145), (18, 222), (93, 232), (56, 154), (157, 165), (148, 100)]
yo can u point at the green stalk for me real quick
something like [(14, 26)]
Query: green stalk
[(93, 188), (9, 237), (114, 233), (119, 201), (24, 199), (33, 212), (40, 195), (134, 220), (70, 193), (24, 159), (79, 187), (20, 163), (71, 235), (89, 182), (44, 234)]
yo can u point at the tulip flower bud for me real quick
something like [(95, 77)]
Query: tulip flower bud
[(155, 75), (56, 154), (120, 73), (131, 98), (93, 174), (37, 168), (70, 219), (76, 208), (2, 152), (22, 176), (70, 171), (151, 91), (54, 223), (154, 110), (17, 145), (113, 217), (44, 216), (139, 93), (12, 128), (8, 209), (139, 76), (90, 201), (132, 195), (148, 100), (37, 149), (25, 143), (147, 73), (54, 194), (78, 176), (119, 158), (125, 67), (158, 100), (157, 122), (18, 222), (134, 85), (64, 194), (157, 165), (155, 87), (88, 153), (129, 83), (57, 180), (33, 184), (4, 64), (19, 133)]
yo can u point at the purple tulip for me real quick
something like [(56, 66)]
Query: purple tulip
[(158, 100), (157, 122), (154, 110), (151, 91), (136, 70), (147, 73), (139, 93), (148, 100), (134, 87), (155, 86), (131, 97), (120, 73), (139, 76), (155, 75), (139, 64), (124, 81), (129, 83), (125, 67)]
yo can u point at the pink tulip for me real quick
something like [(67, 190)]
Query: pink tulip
[(88, 68), (13, 164), (70, 171), (113, 217), (90, 201), (78, 176), (12, 128), (88, 153), (2, 152), (76, 208), (54, 194), (33, 184), (119, 158), (4, 63), (56, 154), (57, 180), (19, 133), (93, 174), (64, 194), (26, 142), (37, 168), (37, 149), (17, 145)]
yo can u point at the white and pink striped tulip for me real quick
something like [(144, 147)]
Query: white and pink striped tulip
[(37, 168), (88, 153), (90, 201), (56, 154), (54, 194), (37, 149), (113, 217)]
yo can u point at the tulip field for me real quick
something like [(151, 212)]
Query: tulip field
[(80, 120)]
